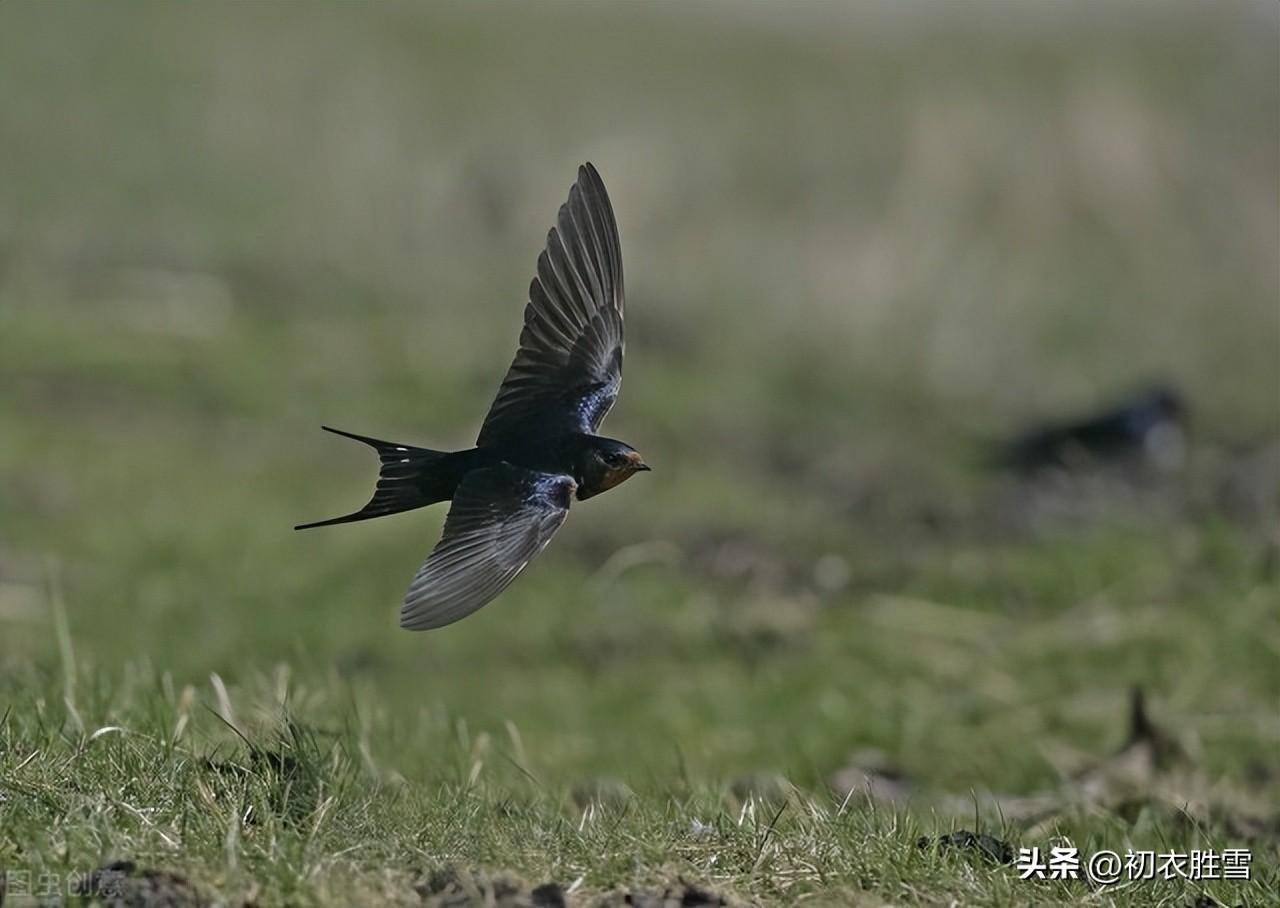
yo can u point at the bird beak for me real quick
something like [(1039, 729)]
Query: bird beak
[(643, 467)]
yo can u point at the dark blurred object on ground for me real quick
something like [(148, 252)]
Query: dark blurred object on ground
[(680, 894), (988, 846), (1148, 428), (121, 883), (461, 887)]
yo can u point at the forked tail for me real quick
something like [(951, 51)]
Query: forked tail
[(407, 480)]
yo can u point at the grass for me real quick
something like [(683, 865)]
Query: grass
[(860, 245)]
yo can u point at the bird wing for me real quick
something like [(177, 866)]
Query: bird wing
[(567, 372), (501, 517)]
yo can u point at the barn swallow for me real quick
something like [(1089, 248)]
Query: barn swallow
[(538, 448), (1150, 425)]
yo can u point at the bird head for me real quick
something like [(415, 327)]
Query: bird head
[(605, 463)]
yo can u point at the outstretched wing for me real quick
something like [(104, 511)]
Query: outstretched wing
[(501, 517), (567, 372)]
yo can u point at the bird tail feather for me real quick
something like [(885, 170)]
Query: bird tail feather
[(405, 480)]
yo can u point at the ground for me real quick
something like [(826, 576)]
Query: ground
[(824, 652)]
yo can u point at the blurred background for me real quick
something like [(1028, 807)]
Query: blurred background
[(864, 246)]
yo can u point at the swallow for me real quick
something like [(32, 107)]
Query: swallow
[(1150, 426), (537, 449)]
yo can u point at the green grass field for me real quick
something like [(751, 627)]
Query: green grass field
[(861, 244)]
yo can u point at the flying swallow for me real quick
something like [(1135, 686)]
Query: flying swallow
[(538, 448)]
